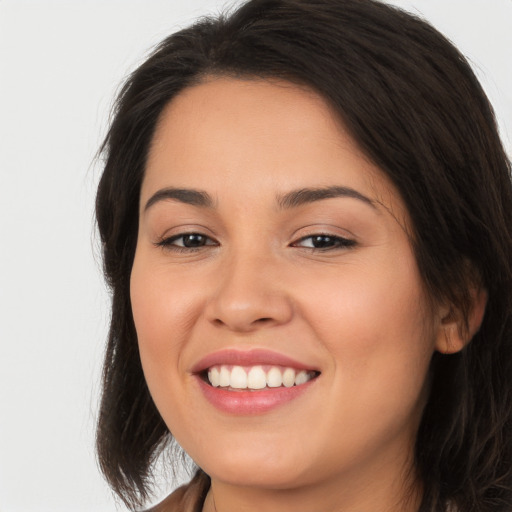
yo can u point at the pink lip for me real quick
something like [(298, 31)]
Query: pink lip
[(249, 402), (247, 358)]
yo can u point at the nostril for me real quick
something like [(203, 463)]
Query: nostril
[(264, 320)]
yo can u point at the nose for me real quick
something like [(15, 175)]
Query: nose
[(250, 294)]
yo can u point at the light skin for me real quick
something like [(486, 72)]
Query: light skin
[(355, 309)]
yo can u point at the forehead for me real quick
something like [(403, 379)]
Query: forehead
[(265, 135), (228, 109)]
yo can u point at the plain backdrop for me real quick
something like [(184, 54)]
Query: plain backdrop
[(61, 63)]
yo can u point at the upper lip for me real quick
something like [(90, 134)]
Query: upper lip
[(248, 358)]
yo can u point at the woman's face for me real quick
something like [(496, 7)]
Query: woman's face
[(269, 249)]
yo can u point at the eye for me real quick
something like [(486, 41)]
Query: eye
[(186, 241), (324, 242)]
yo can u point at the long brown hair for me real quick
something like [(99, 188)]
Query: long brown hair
[(412, 103)]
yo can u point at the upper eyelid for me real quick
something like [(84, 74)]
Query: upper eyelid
[(322, 228), (314, 230), (325, 233), (187, 233), (350, 241), (185, 229)]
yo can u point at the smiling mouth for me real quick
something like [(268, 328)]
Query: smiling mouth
[(255, 378)]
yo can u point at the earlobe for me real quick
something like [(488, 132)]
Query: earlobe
[(450, 339), (453, 332)]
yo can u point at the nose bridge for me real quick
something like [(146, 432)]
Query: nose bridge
[(249, 293)]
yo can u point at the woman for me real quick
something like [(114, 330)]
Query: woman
[(306, 221)]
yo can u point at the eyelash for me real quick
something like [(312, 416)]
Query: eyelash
[(170, 243), (337, 242)]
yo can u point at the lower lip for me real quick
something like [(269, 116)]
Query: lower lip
[(251, 402)]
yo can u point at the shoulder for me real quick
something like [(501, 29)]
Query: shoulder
[(187, 498)]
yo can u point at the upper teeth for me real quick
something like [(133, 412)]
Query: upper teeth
[(257, 377)]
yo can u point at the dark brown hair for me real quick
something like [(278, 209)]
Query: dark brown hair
[(415, 108)]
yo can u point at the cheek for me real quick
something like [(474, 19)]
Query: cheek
[(374, 322), (162, 315), (384, 299), (378, 337)]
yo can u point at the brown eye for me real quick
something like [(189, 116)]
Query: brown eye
[(193, 240), (187, 241), (324, 242)]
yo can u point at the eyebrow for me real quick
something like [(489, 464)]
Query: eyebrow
[(304, 196), (292, 199), (183, 195)]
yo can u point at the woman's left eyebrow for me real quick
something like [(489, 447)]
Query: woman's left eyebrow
[(303, 196)]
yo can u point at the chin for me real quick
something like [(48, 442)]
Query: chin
[(258, 465)]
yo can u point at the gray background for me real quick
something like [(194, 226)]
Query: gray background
[(60, 65)]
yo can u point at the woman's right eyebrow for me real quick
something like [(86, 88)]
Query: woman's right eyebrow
[(183, 195)]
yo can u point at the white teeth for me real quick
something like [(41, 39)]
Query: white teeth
[(301, 378), (214, 377), (274, 378), (289, 377), (255, 377), (238, 378), (225, 377)]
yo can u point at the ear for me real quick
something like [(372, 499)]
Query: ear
[(453, 332)]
